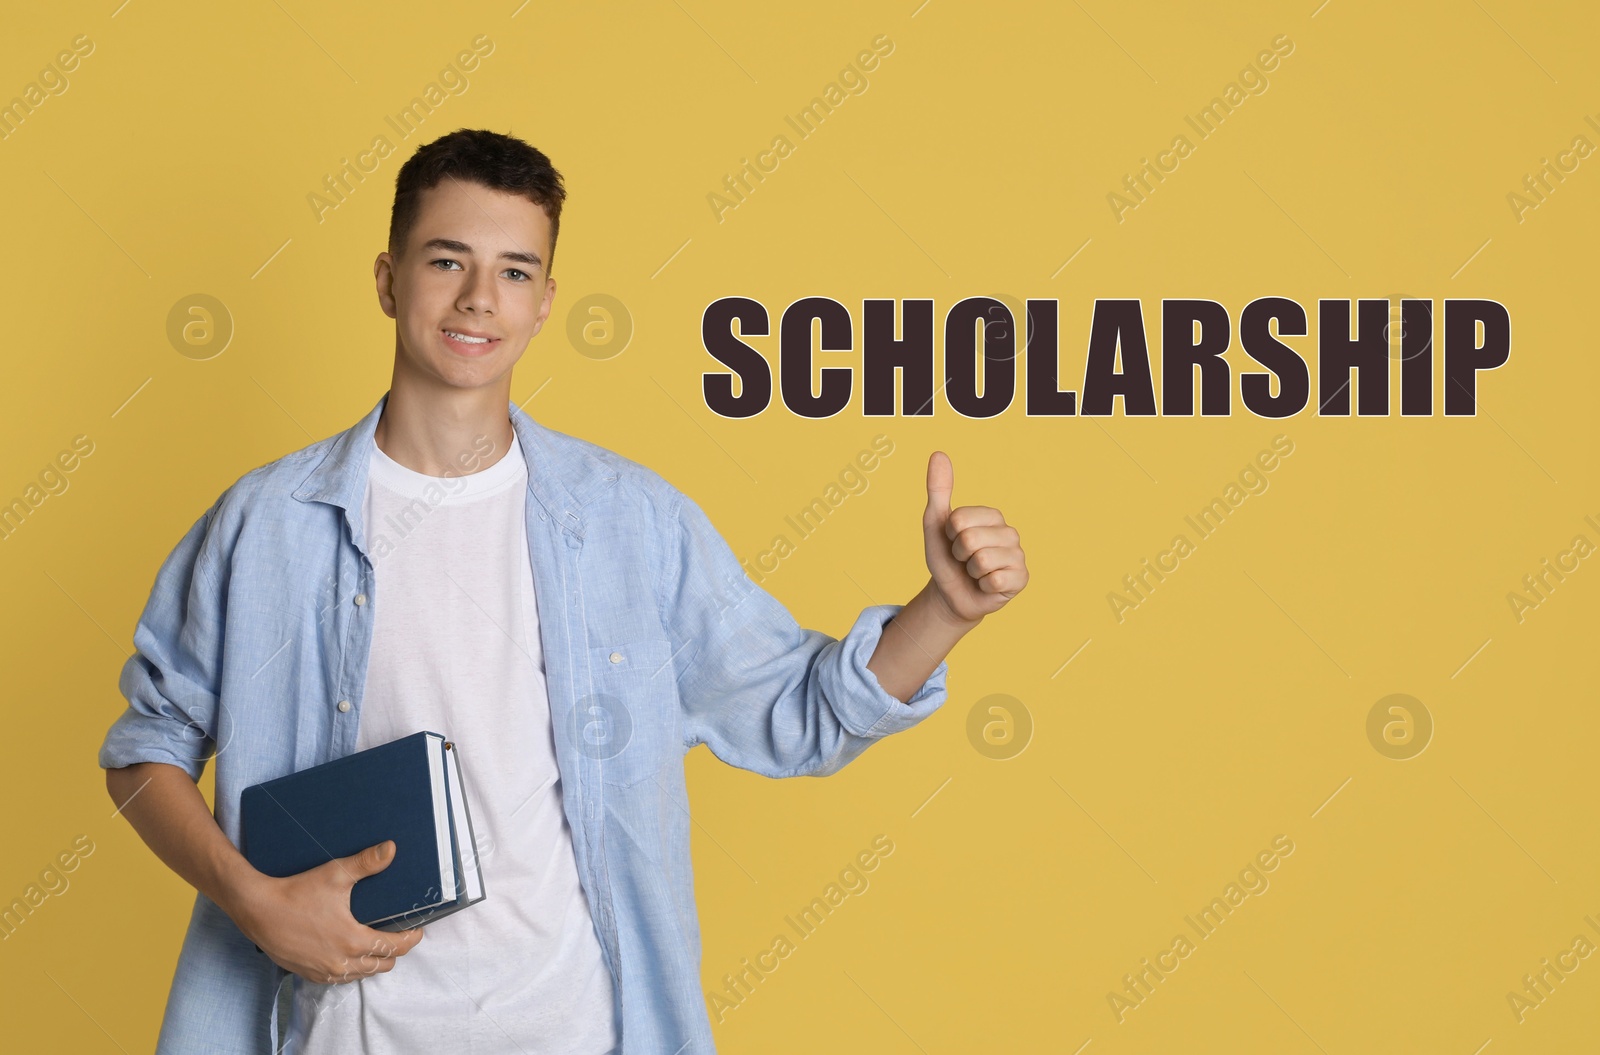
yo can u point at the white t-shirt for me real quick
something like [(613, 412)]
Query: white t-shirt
[(456, 650)]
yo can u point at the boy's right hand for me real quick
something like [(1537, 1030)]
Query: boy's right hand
[(303, 922)]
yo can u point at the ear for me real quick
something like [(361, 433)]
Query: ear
[(545, 306), (383, 276)]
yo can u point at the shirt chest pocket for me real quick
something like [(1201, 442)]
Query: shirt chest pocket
[(629, 722)]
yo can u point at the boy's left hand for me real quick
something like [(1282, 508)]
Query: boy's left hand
[(975, 557)]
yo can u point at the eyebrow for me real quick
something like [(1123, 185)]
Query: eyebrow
[(531, 259)]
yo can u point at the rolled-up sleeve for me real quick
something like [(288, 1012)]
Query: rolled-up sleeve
[(171, 682), (763, 693)]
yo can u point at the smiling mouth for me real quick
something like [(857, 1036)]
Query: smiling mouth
[(466, 344)]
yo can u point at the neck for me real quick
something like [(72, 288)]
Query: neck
[(439, 430)]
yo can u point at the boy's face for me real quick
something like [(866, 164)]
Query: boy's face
[(473, 265)]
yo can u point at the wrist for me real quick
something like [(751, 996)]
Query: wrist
[(934, 601), (237, 887)]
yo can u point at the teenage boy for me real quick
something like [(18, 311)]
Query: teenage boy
[(565, 615)]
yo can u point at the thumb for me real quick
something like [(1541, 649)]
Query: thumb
[(370, 861), (941, 481)]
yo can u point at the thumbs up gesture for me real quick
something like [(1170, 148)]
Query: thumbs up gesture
[(975, 557)]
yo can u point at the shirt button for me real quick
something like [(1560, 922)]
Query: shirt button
[(616, 657), (344, 705), (361, 598)]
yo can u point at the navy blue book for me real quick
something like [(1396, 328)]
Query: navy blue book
[(408, 790)]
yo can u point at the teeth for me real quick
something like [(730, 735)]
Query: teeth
[(464, 337)]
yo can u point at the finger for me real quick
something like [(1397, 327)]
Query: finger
[(992, 559), (372, 961), (970, 541), (370, 861), (382, 948), (348, 970), (374, 964), (941, 481), (1007, 580), (972, 516), (354, 967), (364, 968), (390, 944)]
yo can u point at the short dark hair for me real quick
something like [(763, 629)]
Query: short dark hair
[(500, 162)]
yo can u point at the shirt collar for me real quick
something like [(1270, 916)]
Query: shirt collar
[(561, 476)]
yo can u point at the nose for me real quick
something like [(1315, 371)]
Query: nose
[(478, 292)]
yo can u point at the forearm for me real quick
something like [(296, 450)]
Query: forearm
[(167, 810), (914, 643)]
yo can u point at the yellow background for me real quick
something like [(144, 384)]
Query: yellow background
[(1226, 710)]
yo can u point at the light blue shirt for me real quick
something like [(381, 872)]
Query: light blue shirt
[(253, 650)]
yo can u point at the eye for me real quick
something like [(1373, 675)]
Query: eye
[(444, 260), (525, 276)]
